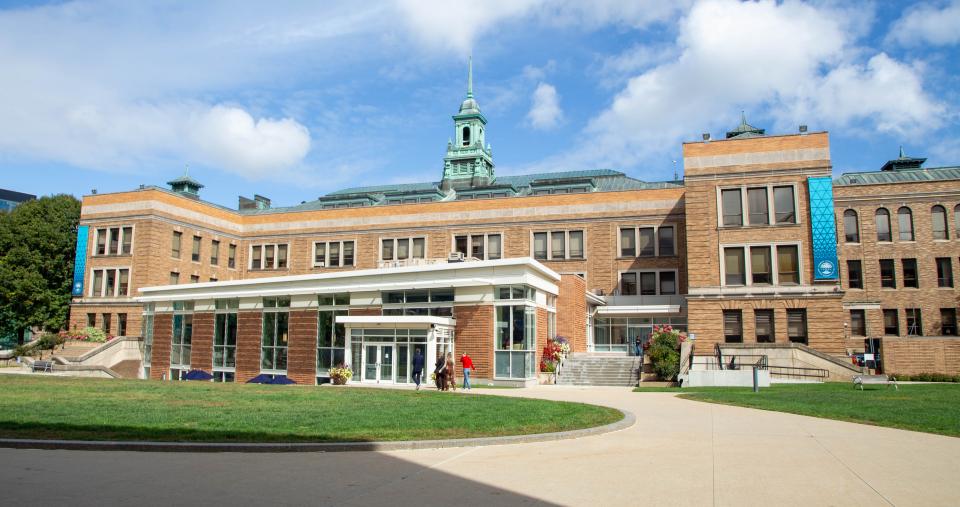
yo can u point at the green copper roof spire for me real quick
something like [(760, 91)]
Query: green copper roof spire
[(470, 78), (469, 160)]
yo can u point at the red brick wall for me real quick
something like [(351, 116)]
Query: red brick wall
[(542, 333), (365, 311), (572, 311), (921, 355), (474, 335), (248, 345), (162, 336), (302, 348), (201, 353)]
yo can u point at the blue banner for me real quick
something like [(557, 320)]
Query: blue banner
[(823, 229), (80, 261)]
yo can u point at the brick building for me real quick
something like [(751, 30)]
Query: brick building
[(744, 249)]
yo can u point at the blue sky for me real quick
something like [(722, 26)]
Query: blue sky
[(296, 99)]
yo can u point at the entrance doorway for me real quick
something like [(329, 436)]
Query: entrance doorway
[(378, 363)]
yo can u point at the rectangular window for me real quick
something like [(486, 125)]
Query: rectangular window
[(576, 244), (347, 252), (281, 256), (91, 320), (914, 323), (628, 284), (494, 247), (461, 244), (194, 278), (195, 253), (784, 205), (175, 242), (98, 282), (106, 323), (948, 321), (256, 257), (854, 275), (225, 337), (733, 326), (269, 256), (232, 256), (476, 246), (797, 326), (515, 350), (647, 246), (668, 283), (214, 252), (273, 352), (331, 337), (332, 254), (666, 240), (734, 267), (403, 249), (891, 323), (558, 248), (182, 342), (764, 326), (757, 204), (788, 265), (123, 283), (114, 241), (121, 324), (127, 242), (944, 272), (888, 276), (732, 207), (320, 255), (648, 283), (540, 245), (102, 241), (858, 323), (910, 278), (761, 270), (628, 242), (419, 250), (111, 283), (174, 278)]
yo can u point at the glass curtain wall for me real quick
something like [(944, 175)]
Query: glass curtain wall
[(225, 340), (331, 337), (181, 344), (147, 334), (273, 347), (515, 353), (618, 334)]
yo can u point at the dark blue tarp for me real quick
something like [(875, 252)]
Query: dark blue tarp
[(263, 378), (280, 379), (197, 375)]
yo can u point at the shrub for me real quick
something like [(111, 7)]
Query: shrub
[(927, 377), (87, 334), (340, 374), (49, 341), (664, 351)]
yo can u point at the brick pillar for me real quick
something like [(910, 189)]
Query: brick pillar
[(201, 352), (302, 348), (249, 330), (542, 332), (572, 311), (474, 335), (162, 336)]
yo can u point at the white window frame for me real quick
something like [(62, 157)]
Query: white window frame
[(227, 310), (409, 239), (326, 254), (676, 280), (236, 251), (98, 292), (774, 263), (263, 257), (486, 242), (566, 245), (656, 240), (745, 208), (108, 236)]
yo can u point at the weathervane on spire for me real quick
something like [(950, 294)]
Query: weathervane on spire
[(470, 78)]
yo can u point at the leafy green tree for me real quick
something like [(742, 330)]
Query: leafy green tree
[(37, 245)]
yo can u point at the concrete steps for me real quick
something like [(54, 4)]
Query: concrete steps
[(72, 350), (599, 371)]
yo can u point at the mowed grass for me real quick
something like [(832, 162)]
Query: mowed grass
[(102, 409), (931, 408)]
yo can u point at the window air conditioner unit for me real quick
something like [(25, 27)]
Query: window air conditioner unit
[(455, 257), (321, 264)]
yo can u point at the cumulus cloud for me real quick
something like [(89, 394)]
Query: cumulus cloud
[(928, 23), (545, 112)]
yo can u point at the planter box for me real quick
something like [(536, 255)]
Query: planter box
[(546, 378)]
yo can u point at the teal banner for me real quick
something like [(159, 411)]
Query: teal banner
[(823, 229), (80, 261)]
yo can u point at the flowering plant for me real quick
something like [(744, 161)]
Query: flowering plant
[(553, 353), (340, 374), (664, 346), (87, 334)]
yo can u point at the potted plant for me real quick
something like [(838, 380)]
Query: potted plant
[(340, 374)]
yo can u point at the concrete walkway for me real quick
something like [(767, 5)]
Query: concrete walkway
[(679, 453)]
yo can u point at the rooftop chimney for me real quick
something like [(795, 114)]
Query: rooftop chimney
[(258, 202)]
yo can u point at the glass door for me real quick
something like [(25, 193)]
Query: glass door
[(386, 363), (371, 359)]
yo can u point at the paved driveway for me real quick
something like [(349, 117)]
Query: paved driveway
[(679, 453)]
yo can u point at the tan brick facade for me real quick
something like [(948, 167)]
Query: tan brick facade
[(572, 312), (921, 355)]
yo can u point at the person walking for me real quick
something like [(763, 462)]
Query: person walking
[(451, 371), (467, 363), (439, 373), (417, 367), (638, 346)]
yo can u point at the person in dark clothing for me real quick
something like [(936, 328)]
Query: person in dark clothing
[(418, 361), (440, 372)]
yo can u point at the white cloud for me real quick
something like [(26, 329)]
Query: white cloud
[(545, 112), (928, 23)]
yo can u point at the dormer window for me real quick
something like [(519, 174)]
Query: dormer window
[(466, 136)]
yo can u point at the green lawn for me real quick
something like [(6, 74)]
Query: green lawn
[(95, 409), (932, 408)]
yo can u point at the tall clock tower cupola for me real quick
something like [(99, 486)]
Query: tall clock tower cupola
[(469, 159)]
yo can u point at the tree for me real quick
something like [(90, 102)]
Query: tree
[(37, 244)]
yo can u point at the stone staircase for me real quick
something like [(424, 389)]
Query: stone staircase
[(73, 350), (596, 370)]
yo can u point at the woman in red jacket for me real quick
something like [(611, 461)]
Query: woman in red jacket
[(467, 368)]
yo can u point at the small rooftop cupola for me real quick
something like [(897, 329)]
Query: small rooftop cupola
[(185, 185), (903, 162), (469, 161), (744, 129)]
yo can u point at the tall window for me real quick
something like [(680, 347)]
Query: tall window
[(647, 245), (331, 337), (516, 332), (851, 227), (628, 242), (757, 204), (956, 220), (174, 278), (466, 136), (648, 283), (883, 225), (121, 324), (232, 256), (146, 331), (628, 284), (760, 267), (271, 256), (127, 242), (102, 241), (764, 326), (788, 264), (559, 245), (398, 249), (734, 267), (858, 323), (948, 321), (938, 219), (668, 282), (123, 282), (888, 276), (784, 205), (195, 253), (479, 246), (214, 252), (332, 254), (732, 206), (797, 325), (891, 323), (905, 223), (182, 339), (944, 272), (225, 340), (854, 274), (175, 244), (540, 245), (273, 350), (733, 326), (914, 322), (665, 236), (910, 278)]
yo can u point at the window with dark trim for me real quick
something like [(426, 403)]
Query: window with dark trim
[(851, 227), (948, 321), (854, 274), (891, 322), (944, 272), (764, 326), (914, 322), (797, 325), (858, 323), (938, 220), (905, 223), (888, 275), (733, 326), (732, 206), (910, 278), (882, 219), (784, 205)]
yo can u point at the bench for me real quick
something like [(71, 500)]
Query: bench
[(43, 366), (860, 380)]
